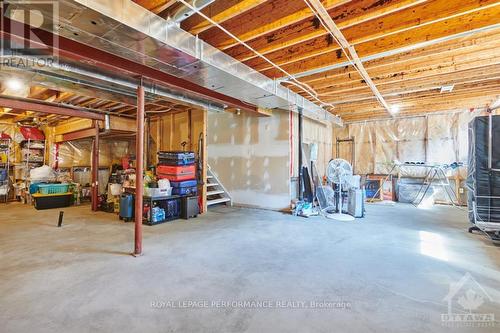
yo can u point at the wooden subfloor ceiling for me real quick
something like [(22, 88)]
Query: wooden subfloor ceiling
[(410, 48)]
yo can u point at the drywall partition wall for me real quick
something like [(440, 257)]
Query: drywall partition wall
[(439, 138), (250, 156)]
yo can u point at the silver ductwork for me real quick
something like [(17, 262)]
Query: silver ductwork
[(123, 28), (99, 84), (107, 124), (149, 88), (184, 12)]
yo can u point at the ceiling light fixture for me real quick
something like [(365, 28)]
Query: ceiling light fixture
[(394, 109), (447, 88), (14, 84)]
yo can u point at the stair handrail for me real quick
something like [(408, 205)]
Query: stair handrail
[(226, 193)]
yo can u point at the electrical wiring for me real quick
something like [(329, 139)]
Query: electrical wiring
[(359, 67), (295, 84), (305, 87)]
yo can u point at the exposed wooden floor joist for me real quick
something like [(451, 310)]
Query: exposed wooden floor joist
[(412, 48)]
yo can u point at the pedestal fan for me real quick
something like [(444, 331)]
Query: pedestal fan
[(339, 172)]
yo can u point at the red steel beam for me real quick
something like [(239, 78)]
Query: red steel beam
[(44, 107), (74, 50), (139, 178), (95, 169)]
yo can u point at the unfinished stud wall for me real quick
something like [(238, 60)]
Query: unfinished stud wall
[(169, 131), (250, 156)]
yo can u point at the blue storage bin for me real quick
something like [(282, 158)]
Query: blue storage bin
[(126, 207), (3, 175)]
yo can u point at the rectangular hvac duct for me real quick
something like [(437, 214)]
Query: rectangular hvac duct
[(125, 29)]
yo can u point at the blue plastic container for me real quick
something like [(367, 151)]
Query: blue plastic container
[(126, 207)]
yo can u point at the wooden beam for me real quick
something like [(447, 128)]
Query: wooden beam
[(265, 112), (465, 90), (269, 16), (460, 46), (426, 109), (452, 26), (433, 73), (322, 13), (411, 68), (404, 21), (220, 12), (122, 124), (76, 135), (153, 5), (63, 96), (162, 7), (409, 87), (73, 125), (346, 15), (463, 97)]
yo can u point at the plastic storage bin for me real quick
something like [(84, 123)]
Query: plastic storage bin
[(47, 201), (126, 207), (53, 188)]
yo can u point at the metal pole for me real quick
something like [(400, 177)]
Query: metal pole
[(95, 168), (139, 178)]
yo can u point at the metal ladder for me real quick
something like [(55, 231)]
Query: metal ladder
[(216, 192)]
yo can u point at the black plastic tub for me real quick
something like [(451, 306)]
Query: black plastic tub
[(48, 201)]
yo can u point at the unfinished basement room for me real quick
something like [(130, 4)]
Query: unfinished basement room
[(250, 166)]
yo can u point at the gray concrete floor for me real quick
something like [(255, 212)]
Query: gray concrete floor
[(391, 270)]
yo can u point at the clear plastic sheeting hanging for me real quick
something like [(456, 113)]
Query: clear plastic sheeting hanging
[(440, 138), (79, 153)]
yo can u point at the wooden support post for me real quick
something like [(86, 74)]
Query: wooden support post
[(139, 177)]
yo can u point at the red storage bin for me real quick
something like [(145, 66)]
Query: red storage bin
[(176, 173)]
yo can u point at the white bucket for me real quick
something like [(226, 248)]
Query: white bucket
[(116, 189)]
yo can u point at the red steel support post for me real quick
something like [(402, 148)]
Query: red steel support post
[(95, 168), (139, 178)]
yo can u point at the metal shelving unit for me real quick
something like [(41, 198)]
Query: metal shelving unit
[(5, 145)]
